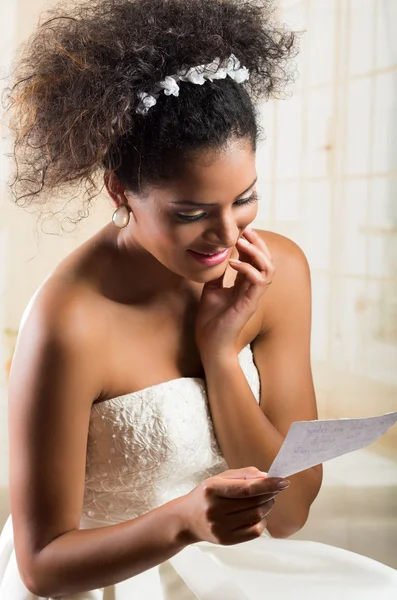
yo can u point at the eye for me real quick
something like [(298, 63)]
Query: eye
[(200, 216)]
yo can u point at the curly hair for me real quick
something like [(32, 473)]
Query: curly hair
[(75, 86)]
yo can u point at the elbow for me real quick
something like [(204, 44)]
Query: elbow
[(33, 586), (287, 522), (282, 529), (41, 587), (37, 583), (38, 588), (28, 574)]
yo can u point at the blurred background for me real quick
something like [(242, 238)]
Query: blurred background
[(328, 180)]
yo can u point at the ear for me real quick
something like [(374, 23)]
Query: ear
[(115, 189)]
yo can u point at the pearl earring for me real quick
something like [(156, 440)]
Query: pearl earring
[(121, 216)]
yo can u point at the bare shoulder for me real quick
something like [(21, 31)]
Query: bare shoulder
[(61, 308), (67, 305), (291, 288), (62, 318), (283, 249)]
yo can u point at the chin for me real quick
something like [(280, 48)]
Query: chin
[(207, 274)]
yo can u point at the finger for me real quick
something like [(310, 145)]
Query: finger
[(244, 489), (245, 534), (242, 255), (241, 284), (244, 473), (231, 506), (255, 238), (236, 506), (258, 257), (252, 274), (246, 518), (249, 282)]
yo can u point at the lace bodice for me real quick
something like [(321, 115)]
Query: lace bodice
[(149, 447)]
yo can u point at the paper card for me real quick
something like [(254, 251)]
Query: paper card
[(309, 443)]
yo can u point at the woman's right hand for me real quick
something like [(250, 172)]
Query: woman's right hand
[(231, 507)]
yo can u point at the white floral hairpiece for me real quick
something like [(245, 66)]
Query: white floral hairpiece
[(197, 75)]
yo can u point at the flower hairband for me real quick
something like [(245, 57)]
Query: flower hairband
[(197, 75)]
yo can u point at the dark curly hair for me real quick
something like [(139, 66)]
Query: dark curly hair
[(73, 96)]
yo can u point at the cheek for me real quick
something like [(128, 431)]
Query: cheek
[(167, 238), (247, 216), (253, 211), (180, 239), (250, 216)]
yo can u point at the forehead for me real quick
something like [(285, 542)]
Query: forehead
[(212, 176)]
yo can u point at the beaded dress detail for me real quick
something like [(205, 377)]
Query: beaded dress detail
[(151, 446)]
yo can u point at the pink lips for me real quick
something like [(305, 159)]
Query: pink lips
[(210, 260)]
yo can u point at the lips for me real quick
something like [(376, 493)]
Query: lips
[(211, 252), (210, 260)]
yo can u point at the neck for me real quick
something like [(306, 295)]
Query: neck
[(133, 271)]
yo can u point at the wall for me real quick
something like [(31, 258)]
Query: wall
[(328, 181), (27, 253)]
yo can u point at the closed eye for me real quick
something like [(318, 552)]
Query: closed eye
[(194, 218)]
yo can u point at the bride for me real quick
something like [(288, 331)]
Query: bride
[(160, 366)]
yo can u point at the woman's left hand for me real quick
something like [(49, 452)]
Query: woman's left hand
[(223, 312)]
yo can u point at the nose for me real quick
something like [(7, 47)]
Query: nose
[(224, 231)]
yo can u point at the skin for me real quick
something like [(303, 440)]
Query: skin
[(91, 333)]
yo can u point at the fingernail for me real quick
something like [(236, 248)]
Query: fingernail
[(283, 485), (256, 475)]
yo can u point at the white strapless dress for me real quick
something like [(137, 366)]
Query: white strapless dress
[(151, 446)]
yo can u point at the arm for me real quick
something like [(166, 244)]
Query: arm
[(249, 434), (54, 379)]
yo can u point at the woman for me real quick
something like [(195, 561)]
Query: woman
[(140, 433)]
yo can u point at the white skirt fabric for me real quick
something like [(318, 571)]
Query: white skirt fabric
[(255, 570)]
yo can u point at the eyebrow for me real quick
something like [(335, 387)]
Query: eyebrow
[(191, 203)]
